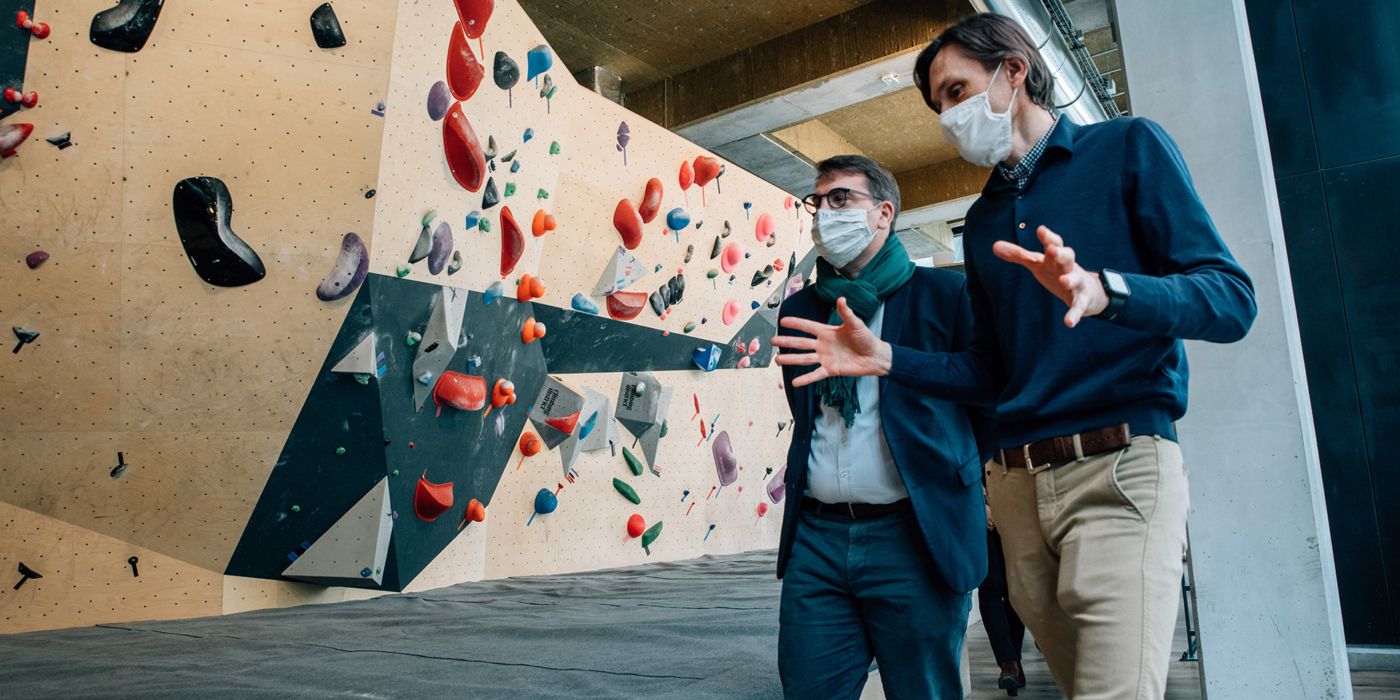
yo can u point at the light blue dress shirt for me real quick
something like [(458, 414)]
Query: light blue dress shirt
[(854, 465)]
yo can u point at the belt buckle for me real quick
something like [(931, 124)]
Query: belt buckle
[(852, 510), (1031, 468)]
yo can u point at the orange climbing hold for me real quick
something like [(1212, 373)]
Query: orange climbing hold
[(530, 444), (531, 331), (431, 500), (651, 201), (628, 223), (460, 391), (501, 394), (543, 223), (529, 288), (475, 513)]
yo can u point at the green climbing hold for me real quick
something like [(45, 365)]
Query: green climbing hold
[(413, 338), (554, 148), (665, 428), (396, 472), (627, 491), (510, 189), (485, 225), (296, 509), (541, 194), (403, 270), (380, 569), (363, 378), (713, 273), (632, 462), (428, 218), (641, 389), (470, 336), (689, 326), (340, 450), (650, 536)]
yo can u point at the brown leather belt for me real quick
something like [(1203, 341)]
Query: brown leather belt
[(1062, 449)]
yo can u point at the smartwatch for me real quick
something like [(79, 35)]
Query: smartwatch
[(1116, 286)]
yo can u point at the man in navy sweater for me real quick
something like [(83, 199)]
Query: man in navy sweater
[(882, 538), (1088, 487)]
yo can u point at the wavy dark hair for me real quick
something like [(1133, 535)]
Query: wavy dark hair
[(882, 183), (990, 39)]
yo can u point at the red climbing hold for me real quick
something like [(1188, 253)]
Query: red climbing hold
[(687, 175), (628, 223), (463, 150), (475, 511), (543, 223), (11, 136), (651, 201), (460, 391), (529, 288), (565, 424), (706, 169), (512, 242), (431, 500), (530, 444), (764, 227), (625, 306), (475, 14), (636, 526), (464, 72)]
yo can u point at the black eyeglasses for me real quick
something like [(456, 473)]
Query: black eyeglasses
[(837, 197)]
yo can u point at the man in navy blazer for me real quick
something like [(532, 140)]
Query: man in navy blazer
[(884, 525)]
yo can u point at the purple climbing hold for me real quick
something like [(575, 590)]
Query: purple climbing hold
[(442, 248), (35, 259), (439, 100), (726, 464), (349, 271)]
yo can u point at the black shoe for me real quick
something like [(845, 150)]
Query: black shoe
[(1011, 678)]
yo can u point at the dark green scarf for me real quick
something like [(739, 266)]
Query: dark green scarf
[(882, 276)]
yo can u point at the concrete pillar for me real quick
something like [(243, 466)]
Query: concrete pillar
[(1271, 626)]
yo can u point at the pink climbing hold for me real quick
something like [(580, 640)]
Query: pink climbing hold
[(731, 311), (744, 362), (733, 255), (764, 228), (753, 346)]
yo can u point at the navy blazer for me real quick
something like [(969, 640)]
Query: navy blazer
[(935, 443)]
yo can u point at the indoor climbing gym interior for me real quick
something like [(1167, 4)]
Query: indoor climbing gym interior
[(492, 349)]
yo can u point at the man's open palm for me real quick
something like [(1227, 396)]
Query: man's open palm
[(1057, 271), (847, 350)]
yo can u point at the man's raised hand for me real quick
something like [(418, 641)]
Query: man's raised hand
[(847, 350), (1057, 271)]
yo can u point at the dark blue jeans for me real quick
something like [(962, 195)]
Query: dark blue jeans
[(857, 589)]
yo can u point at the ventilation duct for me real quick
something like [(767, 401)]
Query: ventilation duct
[(1073, 94)]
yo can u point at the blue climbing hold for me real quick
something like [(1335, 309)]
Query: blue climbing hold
[(587, 426), (677, 219), (473, 219), (545, 502), (538, 60), (529, 134), (755, 304), (707, 358), (494, 292), (366, 572), (584, 304), (515, 167)]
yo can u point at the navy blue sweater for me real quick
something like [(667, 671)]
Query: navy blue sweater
[(1119, 194)]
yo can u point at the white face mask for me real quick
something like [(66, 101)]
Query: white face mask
[(980, 135), (841, 235)]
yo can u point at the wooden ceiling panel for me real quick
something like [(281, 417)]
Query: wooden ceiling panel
[(896, 130), (646, 40)]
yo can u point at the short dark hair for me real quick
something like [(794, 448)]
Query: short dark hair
[(881, 183), (990, 39)]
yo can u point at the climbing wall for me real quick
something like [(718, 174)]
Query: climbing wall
[(203, 428)]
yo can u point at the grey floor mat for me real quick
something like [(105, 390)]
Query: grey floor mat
[(702, 628)]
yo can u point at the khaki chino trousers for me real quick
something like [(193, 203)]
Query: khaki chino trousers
[(1093, 557)]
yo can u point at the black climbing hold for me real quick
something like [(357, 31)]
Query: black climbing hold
[(132, 561), (490, 151), (121, 466), (717, 177), (326, 28), (456, 263), (127, 26), (714, 252), (202, 212), (725, 233), (369, 194), (27, 573), (490, 197), (506, 71), (507, 157), (677, 288), (62, 140), (25, 337), (424, 245), (689, 251), (761, 275), (658, 304)]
